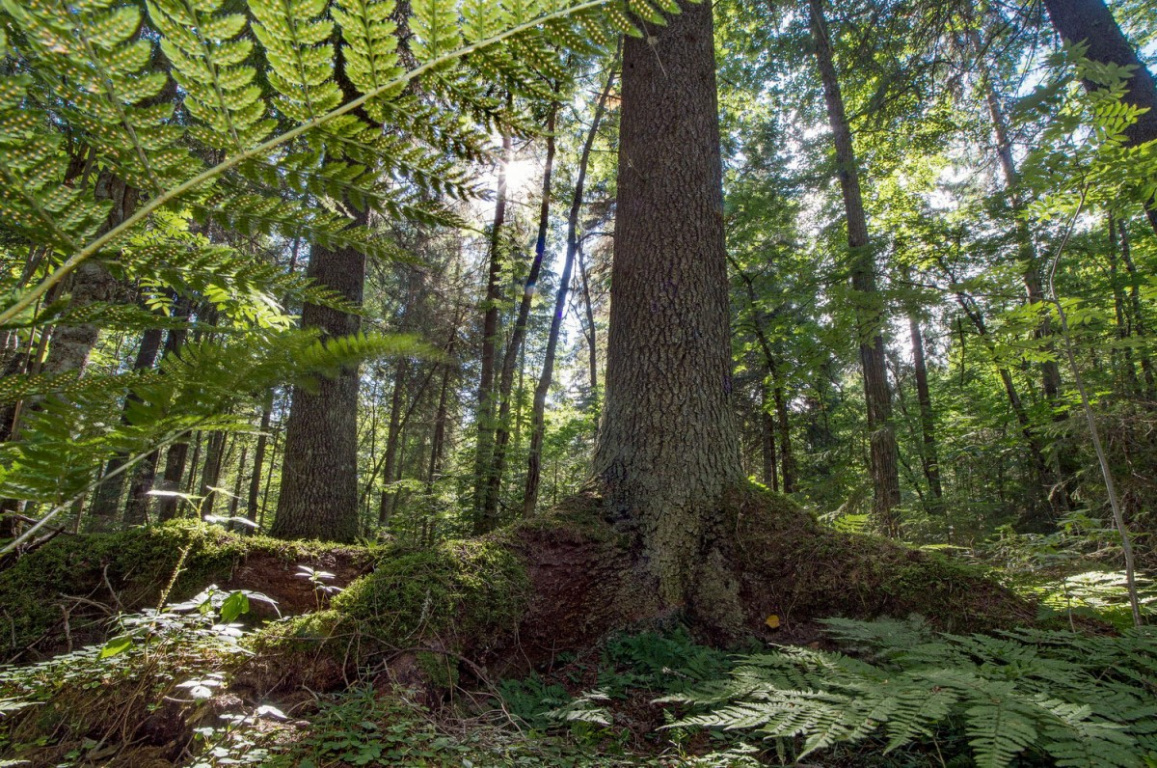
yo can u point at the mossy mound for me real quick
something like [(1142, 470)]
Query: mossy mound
[(62, 594), (797, 570), (561, 582)]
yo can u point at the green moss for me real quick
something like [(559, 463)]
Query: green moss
[(465, 593), (804, 570), (129, 569)]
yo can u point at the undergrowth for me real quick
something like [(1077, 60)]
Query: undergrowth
[(1059, 696)]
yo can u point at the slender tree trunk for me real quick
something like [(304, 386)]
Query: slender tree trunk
[(319, 483), (438, 439), (1062, 452), (773, 380), (668, 449), (1124, 322), (486, 395), (393, 437), (767, 434), (502, 436), (1046, 485), (1091, 22), (1140, 324), (235, 499), (106, 501), (787, 458), (592, 341), (538, 409), (885, 469), (251, 503), (929, 455), (211, 474)]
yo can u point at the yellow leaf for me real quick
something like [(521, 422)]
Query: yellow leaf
[(772, 621)]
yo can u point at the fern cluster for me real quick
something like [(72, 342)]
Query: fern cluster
[(1082, 701), (223, 124)]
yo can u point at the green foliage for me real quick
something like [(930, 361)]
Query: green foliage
[(272, 120), (1081, 700)]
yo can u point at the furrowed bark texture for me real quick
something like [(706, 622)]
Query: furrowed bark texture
[(668, 447), (1091, 22), (884, 457), (319, 486)]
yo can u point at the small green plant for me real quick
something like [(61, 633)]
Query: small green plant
[(322, 589), (1080, 701)]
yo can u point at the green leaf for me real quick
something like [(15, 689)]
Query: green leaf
[(234, 605), (115, 646)]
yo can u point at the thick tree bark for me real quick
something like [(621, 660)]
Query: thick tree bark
[(319, 485), (506, 382), (668, 449), (929, 455), (538, 422), (484, 450), (870, 319), (1091, 22)]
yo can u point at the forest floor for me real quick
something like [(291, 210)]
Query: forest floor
[(121, 653)]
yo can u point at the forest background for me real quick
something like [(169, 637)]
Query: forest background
[(343, 272)]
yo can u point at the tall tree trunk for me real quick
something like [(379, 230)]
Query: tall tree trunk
[(211, 474), (870, 320), (589, 331), (787, 458), (668, 449), (319, 483), (253, 499), (1091, 22), (393, 437), (437, 441), (506, 382), (929, 455), (486, 395), (538, 409), (767, 437), (235, 499), (1040, 516), (1062, 451), (1140, 324), (108, 494), (1124, 322)]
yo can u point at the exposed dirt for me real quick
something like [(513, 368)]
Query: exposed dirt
[(278, 578)]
